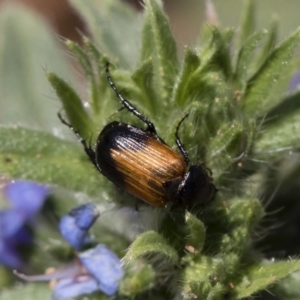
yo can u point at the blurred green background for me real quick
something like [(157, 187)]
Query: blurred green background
[(188, 16), (37, 107)]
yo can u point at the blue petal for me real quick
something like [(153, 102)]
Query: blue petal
[(71, 233), (73, 287), (11, 221), (9, 256), (75, 225), (23, 236), (85, 215), (105, 266), (26, 196)]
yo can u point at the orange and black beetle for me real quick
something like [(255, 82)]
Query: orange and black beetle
[(141, 163)]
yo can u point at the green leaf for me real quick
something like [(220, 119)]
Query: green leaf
[(245, 212), (196, 235), (280, 130), (82, 58), (148, 43), (139, 277), (90, 73), (270, 43), (96, 55), (288, 287), (260, 86), (143, 77), (245, 56), (243, 215), (279, 114), (282, 136), (150, 243), (27, 292), (181, 92), (101, 93), (129, 90), (198, 89), (247, 26), (159, 44), (27, 47), (114, 26), (209, 105), (261, 275), (226, 147), (216, 55), (73, 106), (198, 279), (44, 158)]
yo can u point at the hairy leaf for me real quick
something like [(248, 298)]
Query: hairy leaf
[(247, 23), (73, 106), (198, 279), (279, 137), (181, 92), (269, 44), (143, 77), (44, 158), (246, 54), (196, 235), (260, 86), (264, 274), (150, 243), (158, 43)]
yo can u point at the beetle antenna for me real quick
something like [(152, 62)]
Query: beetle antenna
[(179, 143), (87, 148), (127, 104), (117, 111)]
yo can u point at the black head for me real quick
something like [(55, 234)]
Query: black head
[(197, 189)]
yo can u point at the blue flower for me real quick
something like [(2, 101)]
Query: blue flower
[(26, 196), (75, 225), (105, 267), (25, 199), (97, 269)]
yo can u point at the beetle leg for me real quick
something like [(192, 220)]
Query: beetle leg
[(128, 105), (87, 147), (179, 143)]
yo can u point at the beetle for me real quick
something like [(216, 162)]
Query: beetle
[(140, 162)]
